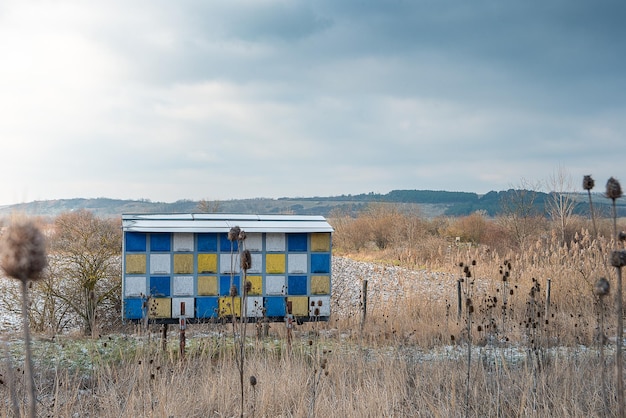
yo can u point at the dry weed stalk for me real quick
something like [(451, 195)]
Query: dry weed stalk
[(23, 257), (601, 289), (614, 192), (469, 310), (588, 184), (239, 327)]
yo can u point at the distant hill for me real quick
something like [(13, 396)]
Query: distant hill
[(429, 203)]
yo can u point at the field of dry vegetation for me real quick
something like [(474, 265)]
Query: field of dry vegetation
[(467, 317)]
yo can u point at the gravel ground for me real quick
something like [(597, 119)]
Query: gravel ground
[(386, 284)]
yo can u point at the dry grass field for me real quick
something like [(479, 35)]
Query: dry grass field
[(510, 349)]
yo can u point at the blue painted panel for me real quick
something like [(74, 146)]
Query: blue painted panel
[(207, 242), (225, 285), (274, 306), (296, 285), (133, 308), (135, 241), (207, 307), (160, 241), (320, 263), (297, 242), (225, 244), (160, 286)]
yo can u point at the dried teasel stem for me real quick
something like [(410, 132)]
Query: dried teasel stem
[(588, 184), (614, 192), (23, 257), (602, 288)]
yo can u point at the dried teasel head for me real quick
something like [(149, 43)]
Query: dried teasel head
[(233, 291), (613, 189), (618, 258), (246, 260), (233, 234), (602, 287), (23, 251), (588, 183), (242, 235)]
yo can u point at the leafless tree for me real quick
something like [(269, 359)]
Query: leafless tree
[(208, 206), (86, 262), (560, 204), (520, 216)]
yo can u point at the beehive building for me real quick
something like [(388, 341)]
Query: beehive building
[(183, 265)]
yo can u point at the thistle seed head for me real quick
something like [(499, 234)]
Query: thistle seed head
[(588, 183), (233, 291), (246, 260), (233, 234), (602, 287), (613, 189), (618, 258), (23, 251)]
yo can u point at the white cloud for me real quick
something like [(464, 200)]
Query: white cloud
[(171, 100)]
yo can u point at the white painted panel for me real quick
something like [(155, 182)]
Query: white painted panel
[(274, 242), (321, 303), (254, 306), (229, 263), (297, 263), (257, 264), (160, 264), (224, 222), (275, 285), (189, 307), (183, 286), (135, 286), (183, 241), (254, 242)]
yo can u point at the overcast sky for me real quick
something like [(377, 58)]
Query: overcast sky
[(168, 100)]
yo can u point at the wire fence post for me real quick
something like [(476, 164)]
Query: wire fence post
[(182, 325), (164, 328), (548, 288), (459, 305), (364, 304)]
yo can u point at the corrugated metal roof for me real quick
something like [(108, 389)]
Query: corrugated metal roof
[(221, 222)]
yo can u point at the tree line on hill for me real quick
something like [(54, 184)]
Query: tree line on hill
[(452, 204)]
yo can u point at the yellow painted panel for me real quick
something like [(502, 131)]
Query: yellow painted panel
[(257, 285), (299, 305), (320, 241), (135, 264), (275, 263), (160, 308), (226, 306), (207, 263), (183, 263), (207, 285), (320, 285)]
